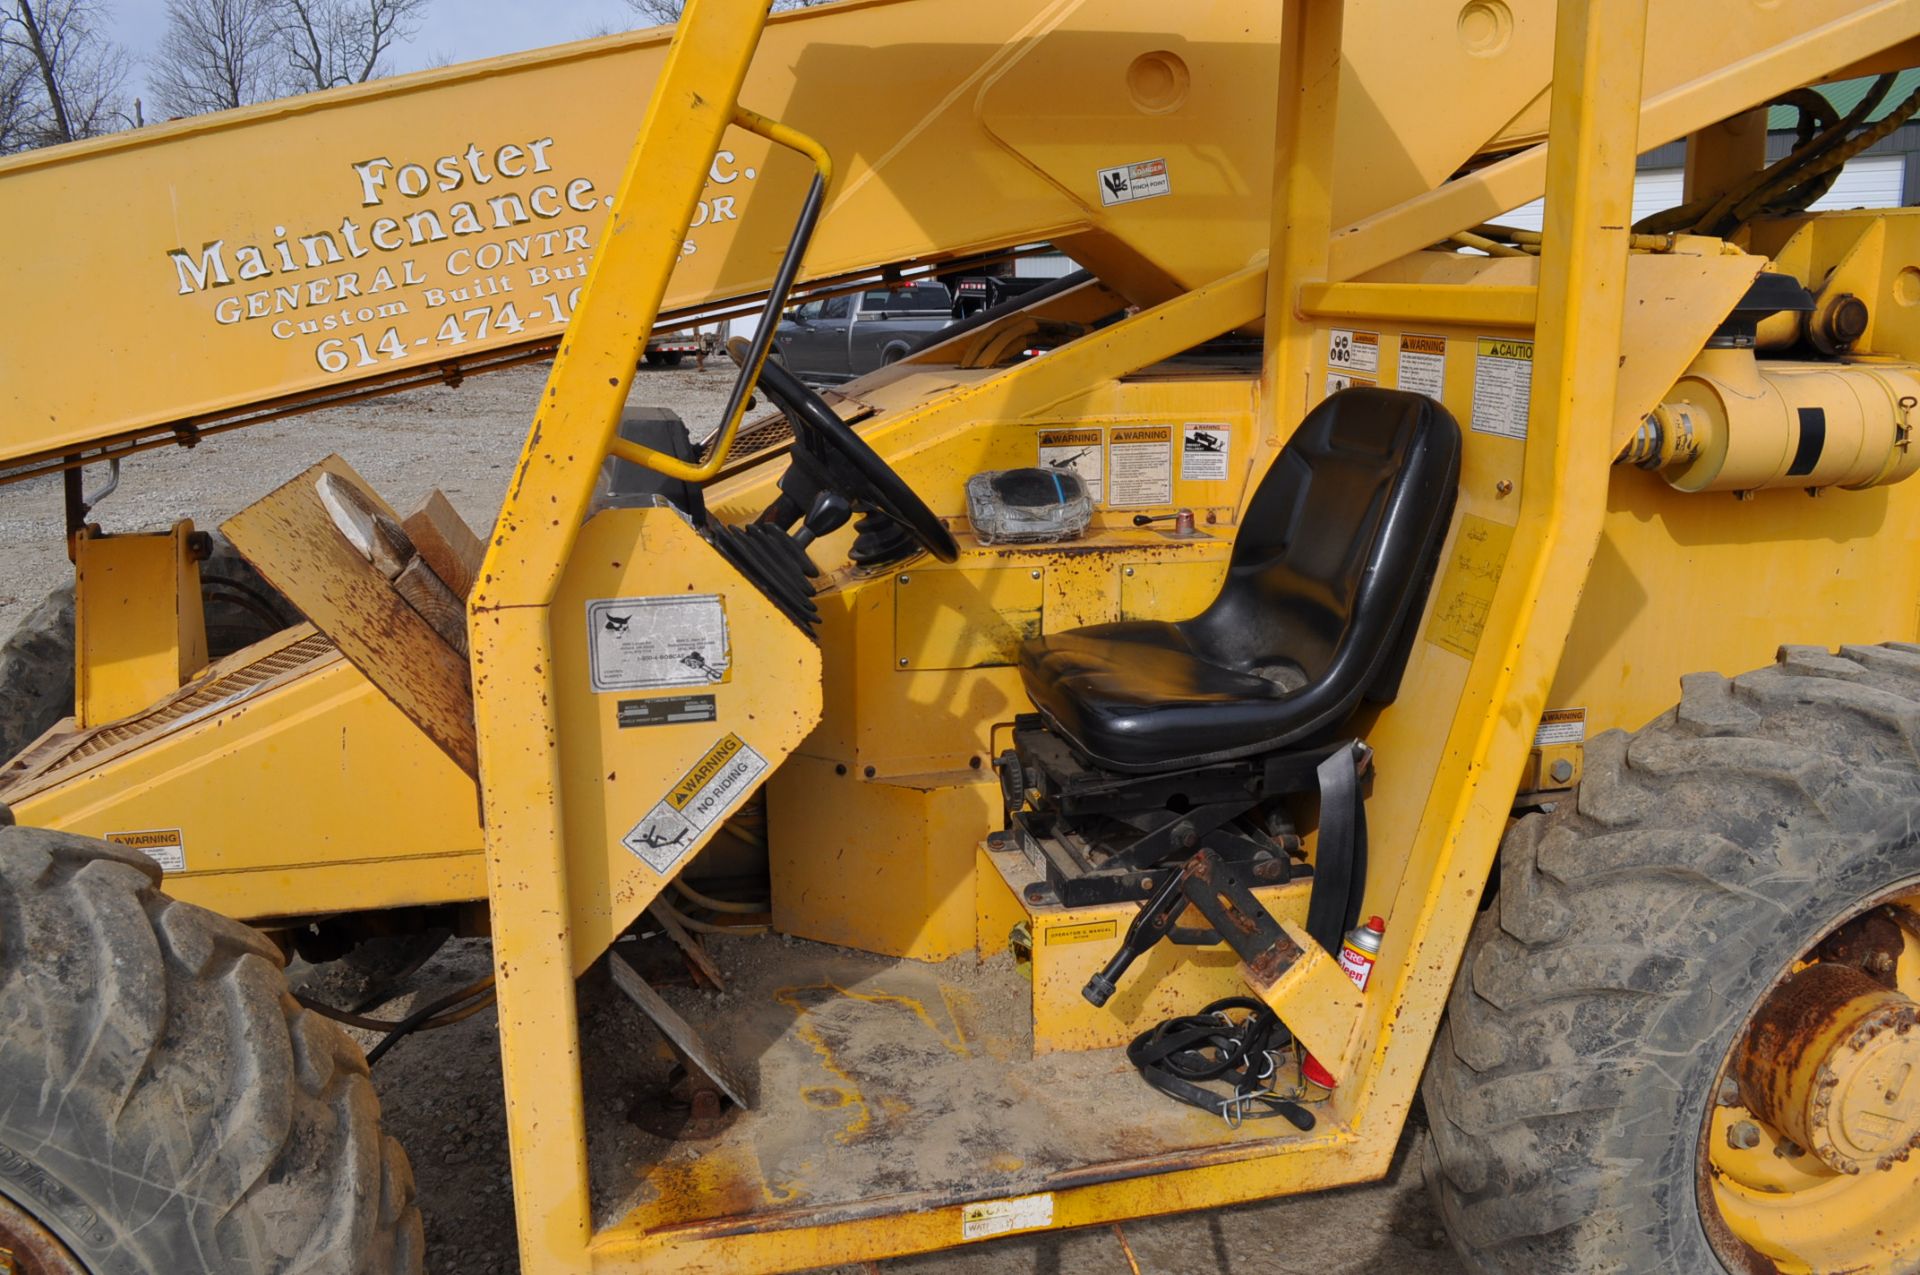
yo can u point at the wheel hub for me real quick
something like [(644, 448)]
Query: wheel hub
[(1832, 1060), (28, 1248)]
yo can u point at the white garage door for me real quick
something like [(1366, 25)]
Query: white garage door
[(1876, 181)]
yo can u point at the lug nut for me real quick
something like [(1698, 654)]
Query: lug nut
[(1729, 1095), (1744, 1136)]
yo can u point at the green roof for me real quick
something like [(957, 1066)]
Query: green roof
[(1846, 94)]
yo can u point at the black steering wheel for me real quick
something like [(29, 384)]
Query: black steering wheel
[(828, 456)]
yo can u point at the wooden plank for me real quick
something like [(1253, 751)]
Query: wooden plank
[(687, 943), (687, 1042), (427, 594), (443, 538), (291, 538), (378, 537)]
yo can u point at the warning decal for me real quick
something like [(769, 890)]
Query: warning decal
[(1003, 1217), (1423, 365), (165, 846), (1204, 453), (1502, 384), (1337, 381), (639, 644), (1561, 726), (1078, 451), (1132, 182), (1355, 351), (704, 796), (1142, 459), (1466, 588)]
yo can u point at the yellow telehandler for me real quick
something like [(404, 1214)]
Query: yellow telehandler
[(1334, 648)]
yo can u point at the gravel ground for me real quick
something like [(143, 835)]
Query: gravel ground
[(441, 1091), (463, 441)]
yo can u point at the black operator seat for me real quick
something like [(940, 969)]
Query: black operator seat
[(1326, 583)]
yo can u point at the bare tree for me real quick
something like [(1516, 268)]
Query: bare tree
[(329, 43), (667, 12), (75, 70), (17, 78), (217, 54)]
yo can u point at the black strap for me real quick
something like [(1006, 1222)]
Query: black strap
[(1340, 867), (1182, 1056)]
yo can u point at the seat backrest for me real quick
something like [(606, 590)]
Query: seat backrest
[(1337, 548)]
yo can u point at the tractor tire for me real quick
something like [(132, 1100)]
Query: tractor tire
[(36, 673), (165, 1104), (36, 663), (1637, 927)]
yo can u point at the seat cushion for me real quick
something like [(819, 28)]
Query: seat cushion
[(1134, 695)]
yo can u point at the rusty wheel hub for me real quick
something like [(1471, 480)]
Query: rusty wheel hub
[(1832, 1060), (28, 1248), (1806, 1163)]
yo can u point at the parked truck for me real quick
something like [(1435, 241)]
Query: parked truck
[(838, 338), (669, 349), (1548, 596)]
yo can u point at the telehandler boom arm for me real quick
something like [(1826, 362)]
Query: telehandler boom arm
[(184, 278)]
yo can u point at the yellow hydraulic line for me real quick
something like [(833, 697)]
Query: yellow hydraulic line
[(673, 466)]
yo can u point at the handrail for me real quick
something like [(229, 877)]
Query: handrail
[(757, 350)]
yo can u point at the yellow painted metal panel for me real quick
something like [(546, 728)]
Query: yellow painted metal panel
[(884, 867), (997, 909), (139, 629), (1170, 590), (1717, 570), (961, 619), (1070, 945), (648, 611), (314, 794)]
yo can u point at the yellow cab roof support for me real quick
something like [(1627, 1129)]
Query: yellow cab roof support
[(508, 623), (1597, 71)]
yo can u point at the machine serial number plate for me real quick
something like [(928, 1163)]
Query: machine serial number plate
[(668, 710)]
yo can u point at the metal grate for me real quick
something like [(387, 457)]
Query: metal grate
[(759, 438), (203, 698)]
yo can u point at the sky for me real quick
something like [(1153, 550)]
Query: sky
[(454, 31)]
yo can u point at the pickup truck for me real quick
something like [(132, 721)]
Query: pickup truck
[(843, 337)]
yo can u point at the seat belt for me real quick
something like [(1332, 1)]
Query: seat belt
[(1340, 867), (1183, 1056)]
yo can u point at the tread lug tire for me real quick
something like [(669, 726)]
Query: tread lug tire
[(165, 1105), (1636, 928)]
